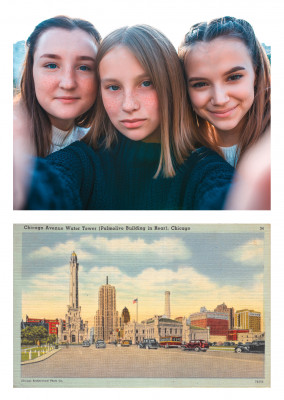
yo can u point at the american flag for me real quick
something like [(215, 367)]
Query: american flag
[(135, 301)]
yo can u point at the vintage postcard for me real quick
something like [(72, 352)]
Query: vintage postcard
[(130, 306)]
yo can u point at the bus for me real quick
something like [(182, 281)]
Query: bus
[(171, 341)]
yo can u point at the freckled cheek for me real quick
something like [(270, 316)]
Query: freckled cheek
[(150, 102), (112, 105)]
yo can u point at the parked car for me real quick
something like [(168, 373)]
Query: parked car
[(257, 346), (100, 344), (125, 343), (86, 343), (148, 344), (196, 345)]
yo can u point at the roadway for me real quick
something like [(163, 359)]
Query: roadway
[(132, 362)]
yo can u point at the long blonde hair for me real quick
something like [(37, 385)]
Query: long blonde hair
[(258, 117), (159, 58)]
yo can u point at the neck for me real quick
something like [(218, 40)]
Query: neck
[(64, 125), (230, 137)]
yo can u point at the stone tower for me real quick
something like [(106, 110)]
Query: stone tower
[(73, 329), (167, 304), (73, 287)]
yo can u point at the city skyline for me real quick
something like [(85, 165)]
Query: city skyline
[(198, 268)]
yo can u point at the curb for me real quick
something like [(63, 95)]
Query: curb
[(41, 358)]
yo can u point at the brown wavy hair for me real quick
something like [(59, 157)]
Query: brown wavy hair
[(159, 58), (41, 125), (258, 117)]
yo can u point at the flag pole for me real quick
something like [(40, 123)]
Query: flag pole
[(137, 311)]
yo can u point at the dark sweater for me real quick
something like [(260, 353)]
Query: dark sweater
[(121, 178)]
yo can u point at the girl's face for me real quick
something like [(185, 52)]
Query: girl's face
[(220, 78), (64, 74), (129, 96)]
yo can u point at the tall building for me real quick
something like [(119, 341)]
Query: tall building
[(106, 319), (74, 330), (228, 310), (248, 319), (167, 304)]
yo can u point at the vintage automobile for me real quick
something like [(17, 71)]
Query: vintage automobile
[(86, 343), (257, 346), (125, 343), (196, 345), (148, 344), (170, 341), (100, 344)]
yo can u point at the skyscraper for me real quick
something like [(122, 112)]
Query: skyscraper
[(74, 330), (106, 319)]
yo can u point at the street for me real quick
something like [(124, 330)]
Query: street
[(132, 362)]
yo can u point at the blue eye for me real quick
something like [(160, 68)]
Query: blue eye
[(146, 83), (235, 77), (51, 66), (113, 88), (84, 68)]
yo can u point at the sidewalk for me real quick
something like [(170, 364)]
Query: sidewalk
[(41, 358)]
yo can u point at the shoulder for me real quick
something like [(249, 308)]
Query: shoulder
[(209, 179), (79, 132), (207, 158)]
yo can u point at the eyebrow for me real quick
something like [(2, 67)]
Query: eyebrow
[(138, 78), (57, 57), (234, 69)]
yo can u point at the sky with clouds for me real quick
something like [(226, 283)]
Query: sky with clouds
[(198, 268)]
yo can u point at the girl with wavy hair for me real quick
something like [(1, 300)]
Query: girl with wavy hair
[(228, 80)]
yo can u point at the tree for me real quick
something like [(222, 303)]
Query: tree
[(51, 339), (31, 334)]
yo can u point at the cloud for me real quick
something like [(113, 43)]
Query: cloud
[(251, 253), (60, 250), (164, 248)]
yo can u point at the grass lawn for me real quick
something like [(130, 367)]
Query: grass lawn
[(36, 352)]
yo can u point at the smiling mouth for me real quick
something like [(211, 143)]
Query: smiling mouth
[(133, 123), (223, 113)]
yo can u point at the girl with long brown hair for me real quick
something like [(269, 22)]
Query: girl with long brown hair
[(228, 79), (59, 85)]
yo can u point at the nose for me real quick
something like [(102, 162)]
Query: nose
[(130, 101), (219, 95), (68, 79)]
